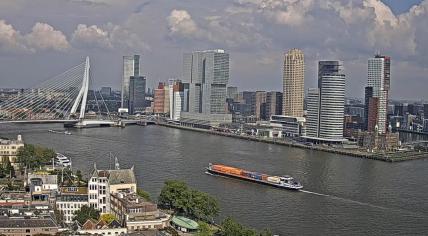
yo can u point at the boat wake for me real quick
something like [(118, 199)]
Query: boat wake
[(420, 214), (318, 194)]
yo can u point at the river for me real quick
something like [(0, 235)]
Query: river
[(343, 195)]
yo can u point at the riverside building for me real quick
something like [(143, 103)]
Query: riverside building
[(9, 150), (104, 182), (207, 74), (378, 86), (326, 104)]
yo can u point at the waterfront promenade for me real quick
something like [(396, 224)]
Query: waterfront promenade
[(396, 156)]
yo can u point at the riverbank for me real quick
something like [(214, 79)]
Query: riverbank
[(380, 156)]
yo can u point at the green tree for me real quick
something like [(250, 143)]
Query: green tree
[(143, 194), (86, 213), (204, 229), (34, 156), (230, 227), (178, 196)]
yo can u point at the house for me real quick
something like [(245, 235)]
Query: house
[(136, 213), (104, 182), (102, 228), (69, 200)]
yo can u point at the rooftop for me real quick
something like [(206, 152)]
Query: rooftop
[(185, 222), (27, 223), (122, 176)]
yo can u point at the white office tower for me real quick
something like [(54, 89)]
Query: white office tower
[(326, 103), (379, 79)]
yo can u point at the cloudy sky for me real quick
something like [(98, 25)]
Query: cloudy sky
[(42, 38)]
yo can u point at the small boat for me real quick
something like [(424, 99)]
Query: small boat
[(284, 181), (61, 160), (67, 133)]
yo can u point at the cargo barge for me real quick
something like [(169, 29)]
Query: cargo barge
[(285, 181)]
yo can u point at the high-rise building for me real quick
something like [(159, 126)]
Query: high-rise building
[(326, 104), (176, 99), (273, 104), (399, 109), (232, 92), (105, 92), (379, 77), (131, 67), (161, 99), (207, 73), (313, 110), (293, 83), (260, 105), (425, 111), (372, 118), (137, 94), (250, 100)]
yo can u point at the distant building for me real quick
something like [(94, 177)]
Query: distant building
[(137, 95), (161, 99), (9, 150), (352, 125), (425, 111), (290, 126), (232, 92), (378, 141), (325, 106), (104, 182), (273, 104), (249, 98), (131, 67), (105, 92), (176, 99), (207, 73), (261, 105), (293, 83)]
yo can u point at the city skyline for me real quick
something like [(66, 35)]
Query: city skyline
[(255, 63)]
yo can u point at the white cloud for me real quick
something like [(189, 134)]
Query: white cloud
[(180, 22), (42, 37), (91, 36), (109, 36), (224, 31)]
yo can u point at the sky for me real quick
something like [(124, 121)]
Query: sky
[(42, 38)]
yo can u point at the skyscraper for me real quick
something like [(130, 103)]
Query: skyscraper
[(207, 73), (260, 105), (161, 99), (232, 92), (425, 111), (293, 83), (273, 104), (131, 67), (137, 94), (176, 99), (379, 78), (326, 103)]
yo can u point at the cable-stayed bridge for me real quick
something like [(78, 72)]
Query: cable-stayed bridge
[(61, 99)]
